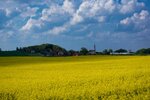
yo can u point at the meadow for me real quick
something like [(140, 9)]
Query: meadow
[(75, 78)]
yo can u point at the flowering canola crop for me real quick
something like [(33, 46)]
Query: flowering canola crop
[(75, 78)]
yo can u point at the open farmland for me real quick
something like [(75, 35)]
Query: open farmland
[(83, 77)]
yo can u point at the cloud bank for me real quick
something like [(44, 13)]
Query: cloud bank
[(97, 20)]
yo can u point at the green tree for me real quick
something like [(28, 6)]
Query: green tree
[(121, 51), (143, 51), (110, 51), (17, 49), (106, 51), (71, 52), (83, 51)]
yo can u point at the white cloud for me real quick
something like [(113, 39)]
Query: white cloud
[(48, 12), (139, 20), (49, 15), (30, 24), (143, 15), (76, 19), (129, 6), (110, 5), (90, 9), (66, 9), (8, 11), (96, 9), (57, 30), (30, 12), (10, 7), (101, 18), (125, 21), (93, 8)]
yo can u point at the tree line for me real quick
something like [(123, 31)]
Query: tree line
[(55, 50)]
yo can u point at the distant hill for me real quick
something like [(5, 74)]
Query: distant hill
[(37, 50)]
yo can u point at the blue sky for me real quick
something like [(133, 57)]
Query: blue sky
[(73, 24)]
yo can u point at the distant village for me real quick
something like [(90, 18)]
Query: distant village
[(93, 51)]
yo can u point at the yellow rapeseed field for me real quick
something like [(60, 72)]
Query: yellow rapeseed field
[(75, 78)]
